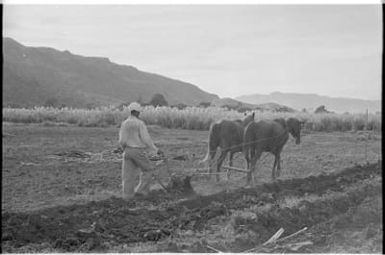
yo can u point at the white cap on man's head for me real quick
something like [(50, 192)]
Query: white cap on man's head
[(134, 106)]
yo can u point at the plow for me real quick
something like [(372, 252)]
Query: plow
[(181, 183)]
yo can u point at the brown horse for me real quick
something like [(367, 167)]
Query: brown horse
[(228, 136), (269, 136)]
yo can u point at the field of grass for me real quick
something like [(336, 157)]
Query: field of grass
[(192, 118), (45, 184)]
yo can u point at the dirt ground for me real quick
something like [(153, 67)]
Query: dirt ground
[(61, 193)]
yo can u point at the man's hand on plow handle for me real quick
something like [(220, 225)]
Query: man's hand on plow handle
[(159, 157)]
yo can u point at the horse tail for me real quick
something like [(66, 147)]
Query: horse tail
[(248, 143), (213, 143)]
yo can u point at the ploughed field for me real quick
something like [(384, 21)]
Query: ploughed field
[(61, 193)]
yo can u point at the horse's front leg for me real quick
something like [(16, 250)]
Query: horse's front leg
[(277, 165)]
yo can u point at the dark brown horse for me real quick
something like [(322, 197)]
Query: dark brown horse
[(227, 135), (269, 136)]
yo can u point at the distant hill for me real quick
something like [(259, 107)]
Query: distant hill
[(34, 75), (312, 101), (235, 104)]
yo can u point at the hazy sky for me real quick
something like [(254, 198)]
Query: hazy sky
[(229, 50)]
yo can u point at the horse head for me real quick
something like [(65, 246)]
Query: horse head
[(294, 128)]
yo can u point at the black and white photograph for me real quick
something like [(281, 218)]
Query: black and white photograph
[(182, 127)]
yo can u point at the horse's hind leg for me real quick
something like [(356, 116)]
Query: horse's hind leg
[(247, 158), (230, 164), (273, 173), (210, 162), (250, 157), (279, 165), (253, 163), (219, 163), (251, 169)]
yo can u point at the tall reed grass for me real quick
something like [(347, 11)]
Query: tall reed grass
[(193, 118)]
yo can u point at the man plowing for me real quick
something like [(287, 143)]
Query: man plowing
[(136, 144)]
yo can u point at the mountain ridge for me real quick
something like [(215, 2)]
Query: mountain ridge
[(75, 80), (310, 101), (35, 76)]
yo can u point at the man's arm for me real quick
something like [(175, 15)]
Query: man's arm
[(145, 136)]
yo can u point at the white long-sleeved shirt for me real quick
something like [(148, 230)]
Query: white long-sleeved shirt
[(133, 133)]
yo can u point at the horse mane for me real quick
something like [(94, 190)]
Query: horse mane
[(281, 121)]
